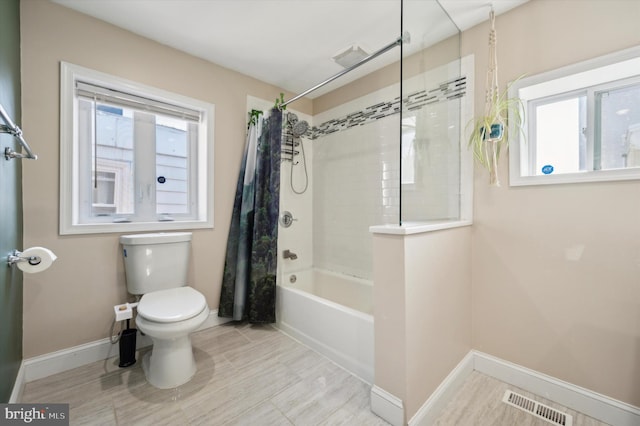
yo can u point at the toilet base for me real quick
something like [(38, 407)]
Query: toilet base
[(170, 363)]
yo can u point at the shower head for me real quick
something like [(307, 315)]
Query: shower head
[(292, 118), (299, 128)]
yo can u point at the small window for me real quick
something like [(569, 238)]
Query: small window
[(409, 155), (581, 123), (133, 158)]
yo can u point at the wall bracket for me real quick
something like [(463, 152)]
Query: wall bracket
[(11, 128)]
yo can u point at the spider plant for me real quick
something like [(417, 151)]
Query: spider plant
[(490, 133)]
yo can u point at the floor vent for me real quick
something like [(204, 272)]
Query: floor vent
[(549, 414)]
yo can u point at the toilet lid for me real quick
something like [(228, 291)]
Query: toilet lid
[(171, 305)]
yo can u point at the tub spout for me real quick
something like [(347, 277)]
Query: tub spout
[(288, 254)]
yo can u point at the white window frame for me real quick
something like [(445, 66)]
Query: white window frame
[(70, 155), (583, 76)]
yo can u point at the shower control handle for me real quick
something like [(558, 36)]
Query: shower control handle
[(286, 219)]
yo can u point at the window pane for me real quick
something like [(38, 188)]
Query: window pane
[(132, 157), (105, 190), (172, 166), (112, 158), (560, 141), (619, 120), (408, 150), (606, 130)]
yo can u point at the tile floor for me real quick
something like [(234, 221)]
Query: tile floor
[(479, 402), (247, 375), (256, 376)]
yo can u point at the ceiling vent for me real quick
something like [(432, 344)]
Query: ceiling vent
[(537, 409), (350, 56)]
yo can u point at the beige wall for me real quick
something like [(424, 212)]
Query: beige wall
[(556, 269), (577, 320), (389, 300), (422, 309), (438, 310), (71, 303)]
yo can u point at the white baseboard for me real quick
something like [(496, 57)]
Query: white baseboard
[(56, 362), (592, 404), (18, 386), (433, 406), (66, 359), (574, 397), (387, 406), (354, 366), (213, 320)]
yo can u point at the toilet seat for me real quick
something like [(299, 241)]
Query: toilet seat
[(171, 305)]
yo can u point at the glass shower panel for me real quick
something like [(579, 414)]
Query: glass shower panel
[(355, 185), (432, 89)]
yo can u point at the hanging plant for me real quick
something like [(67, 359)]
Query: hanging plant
[(254, 116), (490, 132), (280, 104)]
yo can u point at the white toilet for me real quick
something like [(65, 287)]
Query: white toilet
[(169, 311)]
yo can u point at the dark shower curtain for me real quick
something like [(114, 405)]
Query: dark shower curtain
[(249, 281)]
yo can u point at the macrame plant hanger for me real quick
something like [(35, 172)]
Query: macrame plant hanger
[(492, 95)]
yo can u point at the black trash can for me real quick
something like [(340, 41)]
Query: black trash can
[(128, 347)]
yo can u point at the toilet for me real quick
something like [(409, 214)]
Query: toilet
[(169, 311)]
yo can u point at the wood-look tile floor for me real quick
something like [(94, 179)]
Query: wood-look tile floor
[(479, 403), (256, 376), (247, 375)]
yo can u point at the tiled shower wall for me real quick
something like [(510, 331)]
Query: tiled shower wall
[(356, 167), (356, 184)]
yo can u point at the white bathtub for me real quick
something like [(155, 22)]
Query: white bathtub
[(331, 313)]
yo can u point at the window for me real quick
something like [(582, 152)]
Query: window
[(582, 123), (133, 158), (408, 151)]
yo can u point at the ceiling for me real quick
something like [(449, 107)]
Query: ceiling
[(290, 43)]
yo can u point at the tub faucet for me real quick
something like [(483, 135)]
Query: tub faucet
[(288, 254)]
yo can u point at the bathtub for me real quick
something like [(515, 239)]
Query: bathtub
[(332, 314)]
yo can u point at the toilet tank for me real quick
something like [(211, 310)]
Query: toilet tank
[(156, 261)]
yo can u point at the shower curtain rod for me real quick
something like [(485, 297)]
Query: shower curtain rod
[(390, 46)]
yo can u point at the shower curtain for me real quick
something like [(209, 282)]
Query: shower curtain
[(249, 281)]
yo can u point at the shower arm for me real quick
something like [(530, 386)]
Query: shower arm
[(374, 55), (11, 128)]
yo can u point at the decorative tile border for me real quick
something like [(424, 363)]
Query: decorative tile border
[(446, 91)]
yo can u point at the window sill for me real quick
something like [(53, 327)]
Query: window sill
[(584, 177), (106, 228)]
